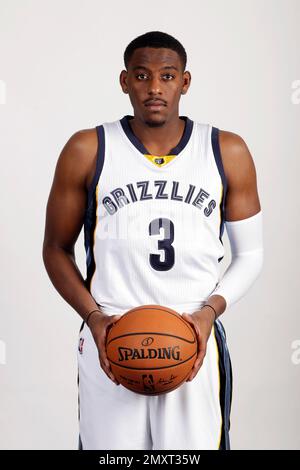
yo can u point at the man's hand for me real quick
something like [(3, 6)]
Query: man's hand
[(99, 324), (202, 321)]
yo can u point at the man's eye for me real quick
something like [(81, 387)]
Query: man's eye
[(169, 74), (140, 75)]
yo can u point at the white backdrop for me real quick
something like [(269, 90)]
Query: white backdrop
[(60, 65)]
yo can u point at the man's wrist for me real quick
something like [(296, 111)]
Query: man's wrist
[(93, 314), (216, 303), (210, 310), (207, 314), (206, 318)]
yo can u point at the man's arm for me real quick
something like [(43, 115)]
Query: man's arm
[(64, 219), (242, 202), (242, 199)]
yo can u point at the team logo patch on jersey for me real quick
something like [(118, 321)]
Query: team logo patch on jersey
[(80, 345), (159, 160)]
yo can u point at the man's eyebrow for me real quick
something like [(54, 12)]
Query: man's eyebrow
[(162, 68)]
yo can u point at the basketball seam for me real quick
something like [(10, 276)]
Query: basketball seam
[(151, 333), (166, 310)]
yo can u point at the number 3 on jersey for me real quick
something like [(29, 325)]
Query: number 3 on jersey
[(165, 244)]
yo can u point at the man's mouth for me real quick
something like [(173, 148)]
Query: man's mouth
[(155, 104)]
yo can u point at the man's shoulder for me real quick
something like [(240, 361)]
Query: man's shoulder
[(231, 141), (86, 140), (236, 157), (79, 154), (82, 139)]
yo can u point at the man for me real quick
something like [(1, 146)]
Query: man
[(154, 192)]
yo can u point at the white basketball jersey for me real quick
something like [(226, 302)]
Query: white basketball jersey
[(153, 235), (154, 224)]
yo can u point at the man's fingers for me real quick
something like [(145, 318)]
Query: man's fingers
[(108, 372), (201, 346), (195, 326), (110, 323), (194, 372), (101, 345), (113, 319), (104, 362), (100, 331), (190, 319), (199, 361), (116, 317), (201, 353)]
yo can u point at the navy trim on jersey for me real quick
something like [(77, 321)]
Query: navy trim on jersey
[(215, 132), (99, 162), (140, 146), (78, 396), (218, 158), (90, 213), (225, 370), (78, 401)]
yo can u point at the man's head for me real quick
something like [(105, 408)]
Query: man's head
[(155, 70)]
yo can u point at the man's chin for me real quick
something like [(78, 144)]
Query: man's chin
[(155, 121)]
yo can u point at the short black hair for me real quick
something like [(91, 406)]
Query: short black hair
[(155, 39)]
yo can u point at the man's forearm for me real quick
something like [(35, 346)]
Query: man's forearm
[(67, 279)]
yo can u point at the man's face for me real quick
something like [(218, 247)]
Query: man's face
[(155, 81)]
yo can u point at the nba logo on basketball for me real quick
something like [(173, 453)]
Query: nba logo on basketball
[(80, 345), (148, 382)]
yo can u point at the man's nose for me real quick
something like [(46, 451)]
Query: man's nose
[(154, 85)]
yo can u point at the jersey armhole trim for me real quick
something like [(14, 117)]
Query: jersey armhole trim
[(215, 132), (99, 163)]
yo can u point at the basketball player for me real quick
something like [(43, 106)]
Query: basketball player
[(154, 191)]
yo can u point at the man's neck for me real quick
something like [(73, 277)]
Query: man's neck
[(158, 140)]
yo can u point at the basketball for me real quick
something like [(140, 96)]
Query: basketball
[(151, 349)]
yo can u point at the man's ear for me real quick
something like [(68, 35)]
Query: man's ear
[(188, 79), (123, 75)]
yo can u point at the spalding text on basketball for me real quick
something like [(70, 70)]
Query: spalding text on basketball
[(126, 354)]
